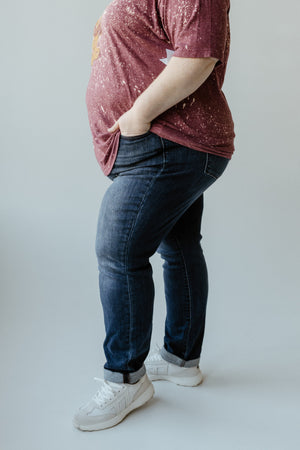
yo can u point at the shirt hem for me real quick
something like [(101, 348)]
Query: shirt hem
[(221, 150)]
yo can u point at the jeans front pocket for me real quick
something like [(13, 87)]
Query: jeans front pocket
[(138, 136), (215, 165), (143, 151)]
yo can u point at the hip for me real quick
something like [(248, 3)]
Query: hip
[(150, 155)]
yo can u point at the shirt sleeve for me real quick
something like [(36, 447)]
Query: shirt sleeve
[(196, 28)]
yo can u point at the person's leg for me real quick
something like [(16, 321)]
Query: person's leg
[(155, 181), (186, 288)]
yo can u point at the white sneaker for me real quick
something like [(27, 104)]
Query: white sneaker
[(159, 369), (111, 403)]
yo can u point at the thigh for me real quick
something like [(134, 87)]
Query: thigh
[(139, 162), (155, 181)]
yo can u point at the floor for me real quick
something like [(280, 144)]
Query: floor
[(51, 348)]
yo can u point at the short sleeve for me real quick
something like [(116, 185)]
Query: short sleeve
[(196, 28)]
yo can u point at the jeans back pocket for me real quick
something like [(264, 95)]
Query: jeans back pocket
[(215, 165)]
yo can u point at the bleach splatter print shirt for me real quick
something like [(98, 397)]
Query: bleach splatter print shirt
[(133, 41)]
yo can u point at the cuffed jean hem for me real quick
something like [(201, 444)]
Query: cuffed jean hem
[(167, 356), (119, 377)]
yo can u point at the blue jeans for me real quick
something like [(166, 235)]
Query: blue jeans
[(154, 204)]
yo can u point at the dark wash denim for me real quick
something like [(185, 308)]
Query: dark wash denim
[(154, 204)]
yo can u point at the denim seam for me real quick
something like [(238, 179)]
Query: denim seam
[(187, 334), (206, 166), (127, 244)]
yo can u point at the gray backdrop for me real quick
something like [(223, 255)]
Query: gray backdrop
[(51, 189)]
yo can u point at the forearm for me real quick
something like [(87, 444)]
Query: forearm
[(180, 78)]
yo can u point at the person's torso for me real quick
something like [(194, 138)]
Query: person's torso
[(130, 49)]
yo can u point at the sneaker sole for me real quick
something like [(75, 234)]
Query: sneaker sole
[(180, 381), (140, 401)]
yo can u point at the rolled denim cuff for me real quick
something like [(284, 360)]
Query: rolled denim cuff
[(167, 356), (120, 377)]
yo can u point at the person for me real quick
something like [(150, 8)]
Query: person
[(163, 133)]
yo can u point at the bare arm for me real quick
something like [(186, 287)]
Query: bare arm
[(180, 78)]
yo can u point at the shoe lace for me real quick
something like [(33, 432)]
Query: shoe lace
[(107, 391), (154, 355)]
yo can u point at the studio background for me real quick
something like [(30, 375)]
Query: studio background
[(51, 189)]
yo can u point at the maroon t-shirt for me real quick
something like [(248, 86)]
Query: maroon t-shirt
[(133, 42)]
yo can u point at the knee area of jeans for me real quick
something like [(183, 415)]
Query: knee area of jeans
[(108, 247), (99, 248)]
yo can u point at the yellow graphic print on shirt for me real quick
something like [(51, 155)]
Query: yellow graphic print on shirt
[(95, 46)]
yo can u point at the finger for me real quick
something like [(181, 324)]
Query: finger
[(114, 127)]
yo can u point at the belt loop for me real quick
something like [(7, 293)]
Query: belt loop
[(125, 377)]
